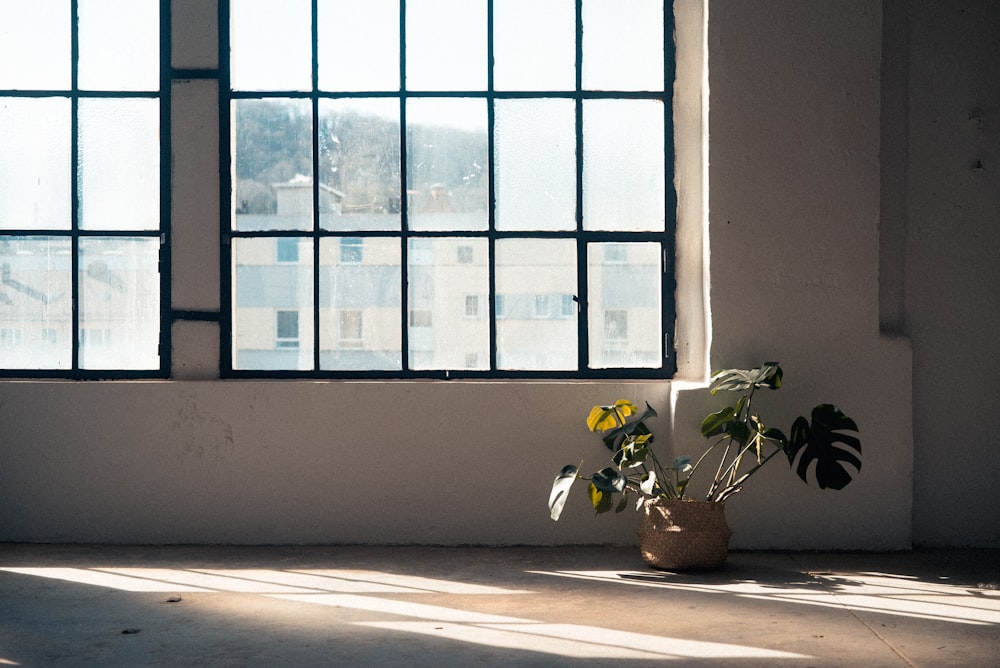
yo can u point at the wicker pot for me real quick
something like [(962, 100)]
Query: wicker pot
[(684, 535)]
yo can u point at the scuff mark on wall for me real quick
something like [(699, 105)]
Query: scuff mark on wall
[(200, 434)]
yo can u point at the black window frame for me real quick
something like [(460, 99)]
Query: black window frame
[(665, 238), (75, 234)]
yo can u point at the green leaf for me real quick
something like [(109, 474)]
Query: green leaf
[(648, 483), (776, 435), (560, 489), (739, 432), (715, 423), (614, 438), (602, 501), (740, 380), (817, 441), (633, 451), (622, 505), (603, 486), (608, 480)]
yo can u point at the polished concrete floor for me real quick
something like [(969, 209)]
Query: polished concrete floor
[(407, 606)]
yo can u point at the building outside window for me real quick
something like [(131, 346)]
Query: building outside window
[(286, 329), (80, 183), (287, 249), (351, 250), (472, 306), (516, 150), (351, 331)]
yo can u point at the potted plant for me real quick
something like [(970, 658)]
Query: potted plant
[(680, 528)]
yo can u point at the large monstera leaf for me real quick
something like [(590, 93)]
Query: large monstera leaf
[(767, 375), (616, 423), (818, 441)]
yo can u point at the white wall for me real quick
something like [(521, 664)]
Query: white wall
[(952, 270), (794, 209)]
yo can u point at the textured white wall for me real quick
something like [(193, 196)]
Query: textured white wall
[(952, 186), (794, 211)]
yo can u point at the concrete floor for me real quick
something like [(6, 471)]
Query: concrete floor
[(408, 606)]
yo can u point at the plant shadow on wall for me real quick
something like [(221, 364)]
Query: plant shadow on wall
[(682, 531)]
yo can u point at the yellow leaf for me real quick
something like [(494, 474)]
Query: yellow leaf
[(602, 418), (596, 495)]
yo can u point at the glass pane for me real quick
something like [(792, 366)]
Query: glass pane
[(119, 45), (446, 330), (358, 48), (266, 294), (535, 164), (624, 177), (624, 311), (534, 45), (35, 165), (119, 164), (36, 299), (359, 164), (536, 304), (623, 45), (360, 304), (447, 164), (270, 45), (272, 165), (119, 303), (446, 44), (36, 32)]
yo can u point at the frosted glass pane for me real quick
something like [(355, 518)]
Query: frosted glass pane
[(273, 303), (623, 165), (119, 182), (359, 164), (272, 165), (623, 45), (35, 165), (535, 164), (536, 307), (36, 298), (624, 314), (360, 317), (534, 45), (447, 164), (358, 48), (35, 33), (445, 44), (119, 45), (448, 288), (270, 45), (119, 303)]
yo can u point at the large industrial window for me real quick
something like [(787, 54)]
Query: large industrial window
[(486, 185), (80, 184)]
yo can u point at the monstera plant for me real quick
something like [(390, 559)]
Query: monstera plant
[(740, 444)]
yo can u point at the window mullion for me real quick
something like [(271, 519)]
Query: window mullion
[(316, 228), (583, 312), (74, 184), (491, 193), (404, 205)]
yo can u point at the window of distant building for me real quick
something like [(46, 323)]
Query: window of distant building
[(80, 180), (286, 329), (520, 151), (287, 249), (472, 306)]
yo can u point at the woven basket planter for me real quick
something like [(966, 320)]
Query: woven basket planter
[(684, 535)]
